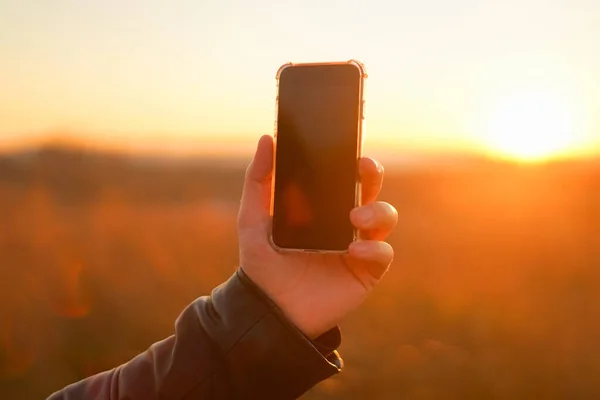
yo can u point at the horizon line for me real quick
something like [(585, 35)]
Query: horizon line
[(238, 146)]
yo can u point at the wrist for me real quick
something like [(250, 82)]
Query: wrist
[(310, 323), (294, 311)]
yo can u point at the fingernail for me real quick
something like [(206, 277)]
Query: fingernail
[(361, 248), (365, 215)]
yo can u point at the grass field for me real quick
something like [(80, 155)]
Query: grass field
[(494, 292)]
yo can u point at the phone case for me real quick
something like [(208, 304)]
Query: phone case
[(361, 129)]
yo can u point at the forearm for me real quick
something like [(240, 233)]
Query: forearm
[(232, 344)]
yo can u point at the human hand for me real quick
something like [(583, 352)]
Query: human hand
[(315, 291)]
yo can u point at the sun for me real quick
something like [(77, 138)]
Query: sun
[(530, 127)]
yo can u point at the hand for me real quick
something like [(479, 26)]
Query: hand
[(315, 291)]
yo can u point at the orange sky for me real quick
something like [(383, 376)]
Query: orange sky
[(186, 76)]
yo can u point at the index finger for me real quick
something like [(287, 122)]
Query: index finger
[(370, 173)]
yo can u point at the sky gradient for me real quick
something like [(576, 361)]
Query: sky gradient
[(183, 76)]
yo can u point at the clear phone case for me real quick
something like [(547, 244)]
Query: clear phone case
[(361, 130)]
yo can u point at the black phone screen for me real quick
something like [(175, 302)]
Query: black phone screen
[(317, 142)]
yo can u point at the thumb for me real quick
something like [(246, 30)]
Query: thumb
[(256, 196)]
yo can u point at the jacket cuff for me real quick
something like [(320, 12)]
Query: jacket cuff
[(266, 355), (326, 344)]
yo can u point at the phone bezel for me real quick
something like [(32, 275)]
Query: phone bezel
[(359, 150)]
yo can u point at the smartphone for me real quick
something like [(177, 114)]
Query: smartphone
[(318, 143)]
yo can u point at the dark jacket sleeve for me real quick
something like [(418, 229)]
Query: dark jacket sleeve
[(233, 344)]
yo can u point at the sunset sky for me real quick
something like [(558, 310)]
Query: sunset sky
[(514, 77)]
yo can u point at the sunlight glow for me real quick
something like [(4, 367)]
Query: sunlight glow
[(532, 127)]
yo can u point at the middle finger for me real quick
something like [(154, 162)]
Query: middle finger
[(375, 220)]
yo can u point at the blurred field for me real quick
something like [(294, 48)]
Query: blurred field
[(494, 293)]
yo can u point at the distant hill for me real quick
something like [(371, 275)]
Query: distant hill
[(79, 175)]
